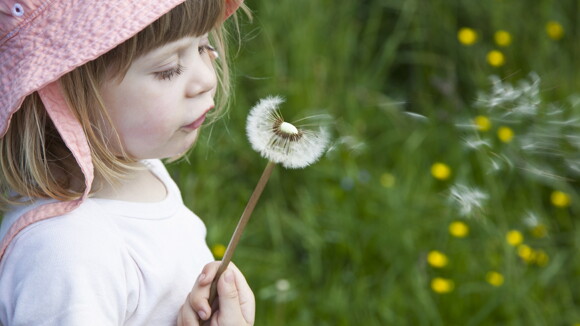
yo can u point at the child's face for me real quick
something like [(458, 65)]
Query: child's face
[(162, 101)]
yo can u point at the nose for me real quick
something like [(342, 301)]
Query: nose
[(202, 78)]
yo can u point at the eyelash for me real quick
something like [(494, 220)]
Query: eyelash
[(208, 48), (170, 73)]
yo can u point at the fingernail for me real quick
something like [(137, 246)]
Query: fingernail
[(229, 277), (201, 277), (202, 314)]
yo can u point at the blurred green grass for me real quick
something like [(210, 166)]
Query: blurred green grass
[(347, 240)]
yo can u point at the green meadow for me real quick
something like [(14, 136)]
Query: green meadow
[(449, 195)]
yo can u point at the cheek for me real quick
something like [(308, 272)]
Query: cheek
[(148, 123)]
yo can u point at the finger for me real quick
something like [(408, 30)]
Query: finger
[(230, 312), (208, 273), (247, 299), (199, 295), (199, 305), (187, 316)]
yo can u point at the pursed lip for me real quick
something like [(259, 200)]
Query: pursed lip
[(197, 123)]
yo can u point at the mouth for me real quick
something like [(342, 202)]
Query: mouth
[(197, 123)]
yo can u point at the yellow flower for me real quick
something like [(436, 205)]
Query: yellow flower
[(437, 259), (526, 253), (458, 229), (440, 171), (539, 231), (560, 199), (502, 38), (495, 58), (482, 123), (505, 134), (494, 278), (387, 180), (442, 285), (554, 30), (467, 36), (541, 258), (218, 250), (514, 237)]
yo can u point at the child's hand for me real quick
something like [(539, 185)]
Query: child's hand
[(236, 299)]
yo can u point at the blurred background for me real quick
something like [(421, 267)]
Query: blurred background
[(450, 193)]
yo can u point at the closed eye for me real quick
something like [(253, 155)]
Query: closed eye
[(170, 73)]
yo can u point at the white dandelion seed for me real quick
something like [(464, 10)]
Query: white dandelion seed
[(531, 219), (280, 141), (476, 143), (350, 143), (522, 100), (417, 116), (468, 199)]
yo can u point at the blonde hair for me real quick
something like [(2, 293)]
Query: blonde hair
[(35, 162)]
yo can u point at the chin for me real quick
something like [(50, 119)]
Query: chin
[(188, 143)]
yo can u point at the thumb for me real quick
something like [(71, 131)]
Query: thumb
[(230, 311)]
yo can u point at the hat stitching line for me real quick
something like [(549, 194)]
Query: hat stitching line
[(24, 24)]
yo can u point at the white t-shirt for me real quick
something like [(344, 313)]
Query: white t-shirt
[(106, 263)]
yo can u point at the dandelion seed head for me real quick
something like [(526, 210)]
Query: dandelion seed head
[(288, 129), (280, 141)]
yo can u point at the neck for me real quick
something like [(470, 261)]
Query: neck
[(139, 186)]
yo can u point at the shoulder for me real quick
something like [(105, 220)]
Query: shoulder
[(81, 238), (64, 267)]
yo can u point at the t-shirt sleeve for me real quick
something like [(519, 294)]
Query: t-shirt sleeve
[(63, 272)]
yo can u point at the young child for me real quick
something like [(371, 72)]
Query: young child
[(92, 94)]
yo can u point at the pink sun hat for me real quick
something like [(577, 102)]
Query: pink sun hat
[(40, 41)]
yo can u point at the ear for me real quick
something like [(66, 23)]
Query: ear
[(231, 7)]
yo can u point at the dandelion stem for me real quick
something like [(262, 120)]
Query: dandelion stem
[(240, 228)]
